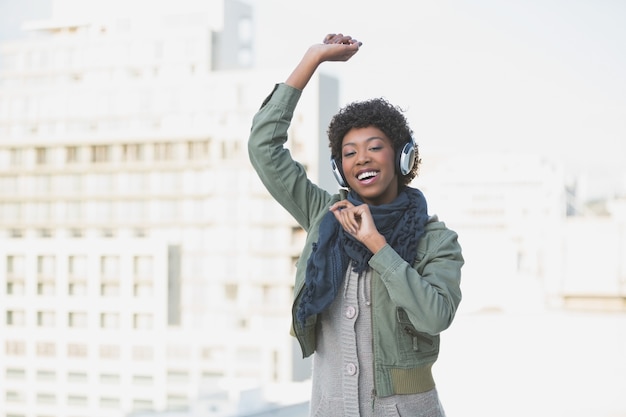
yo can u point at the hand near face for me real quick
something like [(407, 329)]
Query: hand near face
[(358, 222)]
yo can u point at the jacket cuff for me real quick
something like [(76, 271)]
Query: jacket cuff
[(283, 95)]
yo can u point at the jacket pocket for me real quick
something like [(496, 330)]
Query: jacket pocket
[(412, 343)]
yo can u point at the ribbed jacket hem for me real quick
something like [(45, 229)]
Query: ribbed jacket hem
[(410, 381)]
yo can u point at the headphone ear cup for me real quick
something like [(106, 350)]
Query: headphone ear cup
[(407, 157), (338, 173)]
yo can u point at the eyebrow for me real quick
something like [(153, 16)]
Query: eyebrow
[(366, 140)]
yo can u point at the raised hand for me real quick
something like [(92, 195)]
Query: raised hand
[(335, 47)]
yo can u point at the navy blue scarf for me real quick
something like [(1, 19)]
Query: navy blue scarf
[(401, 222)]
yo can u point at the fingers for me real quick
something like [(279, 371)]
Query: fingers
[(339, 38), (358, 222), (349, 216), (345, 215)]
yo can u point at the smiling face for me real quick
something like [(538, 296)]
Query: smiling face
[(368, 163)]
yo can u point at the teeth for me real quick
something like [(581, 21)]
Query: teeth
[(366, 175)]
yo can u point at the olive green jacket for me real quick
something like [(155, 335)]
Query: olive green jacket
[(411, 304)]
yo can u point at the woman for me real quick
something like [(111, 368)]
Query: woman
[(378, 278)]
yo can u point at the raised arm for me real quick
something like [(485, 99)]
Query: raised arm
[(335, 47)]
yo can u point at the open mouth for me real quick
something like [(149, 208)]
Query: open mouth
[(367, 176)]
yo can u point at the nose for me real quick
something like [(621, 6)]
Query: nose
[(362, 158)]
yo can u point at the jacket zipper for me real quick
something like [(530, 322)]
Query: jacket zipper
[(415, 335)]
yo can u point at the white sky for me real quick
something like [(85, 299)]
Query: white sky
[(541, 76)]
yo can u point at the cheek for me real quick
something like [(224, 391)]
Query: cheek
[(345, 165), (390, 159)]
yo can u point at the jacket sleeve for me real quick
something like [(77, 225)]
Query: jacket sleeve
[(430, 294), (285, 179)]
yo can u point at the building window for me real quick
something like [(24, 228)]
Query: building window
[(16, 157), (109, 320), (75, 183), (45, 287), (142, 353), (45, 318), (198, 150), (133, 152), (109, 267), (100, 153), (72, 154), (15, 266), (15, 318), (78, 266), (142, 289), (46, 375), (13, 211), (109, 352), (176, 401), (109, 402), (77, 350), (110, 289), (163, 151), (110, 378), (142, 267), (230, 291), (46, 349), (77, 288), (142, 321), (41, 212), (46, 266), (45, 233), (74, 211), (15, 287), (46, 398), (15, 348), (14, 397), (228, 150), (42, 156), (76, 400), (178, 352), (77, 377), (142, 380), (9, 184), (142, 404), (177, 376), (77, 320), (168, 210), (15, 374), (42, 184)]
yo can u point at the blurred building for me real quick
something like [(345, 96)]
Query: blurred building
[(594, 268), (529, 241), (142, 263)]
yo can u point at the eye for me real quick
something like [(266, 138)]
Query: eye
[(376, 148), (348, 154)]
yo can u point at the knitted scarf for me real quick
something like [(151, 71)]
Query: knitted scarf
[(401, 222)]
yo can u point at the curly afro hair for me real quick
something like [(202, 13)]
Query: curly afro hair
[(381, 114)]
